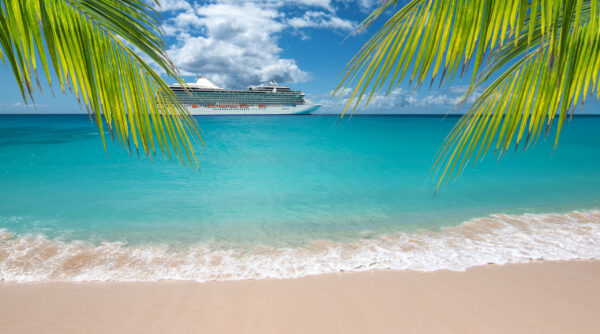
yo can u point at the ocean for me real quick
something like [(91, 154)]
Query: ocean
[(283, 197)]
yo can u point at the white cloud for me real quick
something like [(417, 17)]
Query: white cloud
[(324, 4), (21, 107), (236, 43), (398, 100), (168, 5), (364, 5), (462, 89), (313, 19)]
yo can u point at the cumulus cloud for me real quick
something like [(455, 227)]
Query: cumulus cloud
[(312, 19), (168, 5), (364, 5), (235, 43), (462, 89), (398, 100)]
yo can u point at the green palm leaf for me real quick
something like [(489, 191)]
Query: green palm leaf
[(91, 45), (543, 57)]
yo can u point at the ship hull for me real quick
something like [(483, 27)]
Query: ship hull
[(304, 109)]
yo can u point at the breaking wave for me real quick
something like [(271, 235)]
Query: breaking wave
[(497, 239)]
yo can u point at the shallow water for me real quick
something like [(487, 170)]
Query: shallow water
[(285, 197)]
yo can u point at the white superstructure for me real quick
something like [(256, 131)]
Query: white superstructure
[(205, 98)]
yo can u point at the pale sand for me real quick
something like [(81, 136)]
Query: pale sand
[(547, 297)]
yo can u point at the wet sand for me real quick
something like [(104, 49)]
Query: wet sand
[(539, 297)]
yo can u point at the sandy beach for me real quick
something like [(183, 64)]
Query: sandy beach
[(540, 297)]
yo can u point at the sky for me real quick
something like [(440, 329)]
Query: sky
[(304, 44)]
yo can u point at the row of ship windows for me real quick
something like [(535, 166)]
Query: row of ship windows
[(224, 109), (245, 92), (266, 97), (195, 101), (242, 97), (237, 106), (237, 103)]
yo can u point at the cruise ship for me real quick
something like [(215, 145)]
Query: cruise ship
[(206, 98)]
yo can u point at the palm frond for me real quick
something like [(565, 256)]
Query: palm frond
[(544, 56), (89, 45)]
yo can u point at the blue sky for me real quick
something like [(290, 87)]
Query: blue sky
[(235, 43)]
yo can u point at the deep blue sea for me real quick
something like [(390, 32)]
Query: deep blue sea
[(286, 197)]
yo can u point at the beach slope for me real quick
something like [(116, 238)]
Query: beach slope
[(540, 297)]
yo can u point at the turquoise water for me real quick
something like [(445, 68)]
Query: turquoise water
[(275, 182)]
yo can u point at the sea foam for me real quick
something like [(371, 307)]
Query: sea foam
[(497, 239)]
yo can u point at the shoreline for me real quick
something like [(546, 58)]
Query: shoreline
[(535, 297), (497, 239)]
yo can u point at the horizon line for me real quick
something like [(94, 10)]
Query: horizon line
[(325, 114)]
